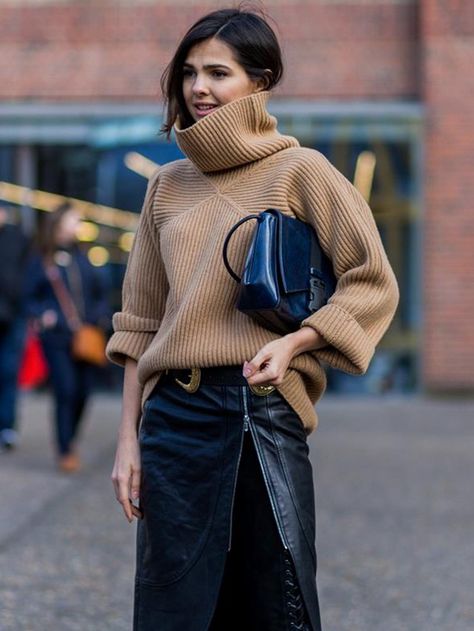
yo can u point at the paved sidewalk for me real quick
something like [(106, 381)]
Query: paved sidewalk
[(395, 521), (67, 549), (395, 515)]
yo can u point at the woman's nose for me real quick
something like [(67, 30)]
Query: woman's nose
[(200, 86)]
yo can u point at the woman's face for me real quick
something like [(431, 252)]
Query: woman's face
[(66, 231), (212, 77)]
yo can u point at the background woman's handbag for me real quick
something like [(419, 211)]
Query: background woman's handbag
[(88, 340), (33, 367), (88, 344), (286, 275)]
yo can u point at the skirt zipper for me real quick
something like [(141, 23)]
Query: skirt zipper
[(248, 424), (246, 428)]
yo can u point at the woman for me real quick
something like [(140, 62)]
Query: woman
[(63, 286), (219, 462)]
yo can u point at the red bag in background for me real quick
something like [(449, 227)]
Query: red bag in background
[(33, 368)]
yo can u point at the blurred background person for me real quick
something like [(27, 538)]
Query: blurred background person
[(13, 256), (63, 285)]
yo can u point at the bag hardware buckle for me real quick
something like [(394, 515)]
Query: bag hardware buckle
[(195, 380), (316, 293)]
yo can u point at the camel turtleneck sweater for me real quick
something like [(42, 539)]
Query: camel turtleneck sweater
[(178, 299)]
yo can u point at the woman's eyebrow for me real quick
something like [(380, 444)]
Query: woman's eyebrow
[(207, 66)]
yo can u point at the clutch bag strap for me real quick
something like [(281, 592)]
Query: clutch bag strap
[(226, 243)]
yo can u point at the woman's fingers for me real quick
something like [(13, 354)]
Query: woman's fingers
[(127, 509), (255, 364), (137, 511), (262, 374), (126, 476), (135, 492), (121, 483), (123, 495), (135, 484), (269, 365)]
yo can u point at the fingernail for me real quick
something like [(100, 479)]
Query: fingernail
[(135, 493), (247, 372)]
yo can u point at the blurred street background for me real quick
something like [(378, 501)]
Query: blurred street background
[(381, 87), (395, 517), (384, 89)]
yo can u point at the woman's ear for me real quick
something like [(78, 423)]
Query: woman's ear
[(263, 82)]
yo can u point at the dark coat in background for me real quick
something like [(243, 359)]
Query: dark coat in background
[(14, 247), (85, 283)]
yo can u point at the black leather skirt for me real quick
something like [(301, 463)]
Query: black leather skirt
[(227, 540)]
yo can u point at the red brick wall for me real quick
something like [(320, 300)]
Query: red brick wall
[(99, 50), (447, 29)]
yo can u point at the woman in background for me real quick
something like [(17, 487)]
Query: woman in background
[(60, 274)]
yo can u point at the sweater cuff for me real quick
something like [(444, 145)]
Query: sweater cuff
[(125, 344), (349, 347)]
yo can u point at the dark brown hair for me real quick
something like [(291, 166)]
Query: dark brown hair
[(250, 37)]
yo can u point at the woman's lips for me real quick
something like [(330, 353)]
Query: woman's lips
[(204, 110)]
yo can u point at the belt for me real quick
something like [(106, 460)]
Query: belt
[(191, 378)]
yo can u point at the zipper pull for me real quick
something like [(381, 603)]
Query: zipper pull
[(246, 422)]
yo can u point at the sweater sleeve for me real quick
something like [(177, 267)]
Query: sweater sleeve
[(144, 291), (366, 296)]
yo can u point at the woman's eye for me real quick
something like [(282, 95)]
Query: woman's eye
[(187, 72)]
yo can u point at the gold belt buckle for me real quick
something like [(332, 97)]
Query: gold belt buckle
[(194, 381), (261, 389)]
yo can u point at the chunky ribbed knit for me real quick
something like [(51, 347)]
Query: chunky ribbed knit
[(178, 299)]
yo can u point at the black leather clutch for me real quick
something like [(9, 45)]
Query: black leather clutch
[(287, 276)]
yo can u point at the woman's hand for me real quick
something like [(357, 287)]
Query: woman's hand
[(126, 475), (126, 472), (270, 364), (48, 319)]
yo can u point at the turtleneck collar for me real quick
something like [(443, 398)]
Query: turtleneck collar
[(236, 133)]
